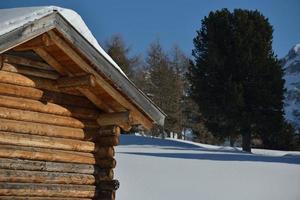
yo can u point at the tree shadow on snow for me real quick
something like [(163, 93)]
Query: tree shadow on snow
[(201, 152), (290, 159)]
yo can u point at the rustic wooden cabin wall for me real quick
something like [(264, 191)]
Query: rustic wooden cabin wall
[(51, 146)]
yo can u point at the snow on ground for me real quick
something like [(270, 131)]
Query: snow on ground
[(155, 169)]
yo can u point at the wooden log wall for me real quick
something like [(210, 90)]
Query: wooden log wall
[(51, 145)]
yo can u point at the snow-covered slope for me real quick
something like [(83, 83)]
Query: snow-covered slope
[(155, 169), (15, 17), (291, 64)]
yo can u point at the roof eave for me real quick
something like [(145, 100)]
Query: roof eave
[(102, 65)]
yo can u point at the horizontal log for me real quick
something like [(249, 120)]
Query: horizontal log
[(20, 91), (107, 141), (17, 176), (47, 190), (31, 116), (30, 71), (32, 81), (8, 151), (108, 185), (118, 118), (84, 81), (44, 95), (48, 107), (105, 195), (20, 164), (51, 142), (42, 129), (112, 130), (45, 166), (13, 59), (41, 198), (107, 163)]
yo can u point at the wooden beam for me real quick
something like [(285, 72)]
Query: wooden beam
[(54, 63), (32, 153), (30, 71), (42, 129), (26, 62), (47, 190), (84, 81), (48, 107), (41, 198), (46, 166), (30, 116), (33, 81), (64, 46), (40, 41), (18, 139), (111, 130), (22, 176), (116, 118), (50, 60)]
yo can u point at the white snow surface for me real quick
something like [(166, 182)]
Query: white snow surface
[(291, 64), (16, 17), (156, 169)]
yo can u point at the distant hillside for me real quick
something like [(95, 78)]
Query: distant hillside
[(291, 65)]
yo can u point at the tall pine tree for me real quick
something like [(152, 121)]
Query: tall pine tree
[(236, 80)]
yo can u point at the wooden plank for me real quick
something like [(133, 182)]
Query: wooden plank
[(46, 166), (102, 83), (30, 71), (50, 142), (32, 153), (48, 107), (26, 33), (30, 116), (22, 176), (12, 59), (46, 190)]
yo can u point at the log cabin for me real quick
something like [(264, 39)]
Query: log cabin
[(63, 104)]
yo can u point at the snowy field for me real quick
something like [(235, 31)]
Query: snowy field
[(155, 169)]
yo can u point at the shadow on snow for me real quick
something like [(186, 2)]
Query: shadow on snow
[(200, 152)]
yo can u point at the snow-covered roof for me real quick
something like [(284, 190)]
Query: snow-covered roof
[(15, 17)]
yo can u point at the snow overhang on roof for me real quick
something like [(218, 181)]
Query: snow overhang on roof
[(19, 25)]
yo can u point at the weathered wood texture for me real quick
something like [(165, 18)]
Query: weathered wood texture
[(48, 190), (46, 166), (52, 145), (41, 198)]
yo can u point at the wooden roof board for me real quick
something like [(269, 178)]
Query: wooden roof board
[(99, 62)]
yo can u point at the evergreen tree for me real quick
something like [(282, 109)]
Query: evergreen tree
[(162, 85), (119, 51), (236, 79)]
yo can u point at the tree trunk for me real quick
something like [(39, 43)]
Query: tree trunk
[(231, 140), (246, 141)]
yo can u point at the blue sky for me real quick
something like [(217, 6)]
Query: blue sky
[(171, 21)]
